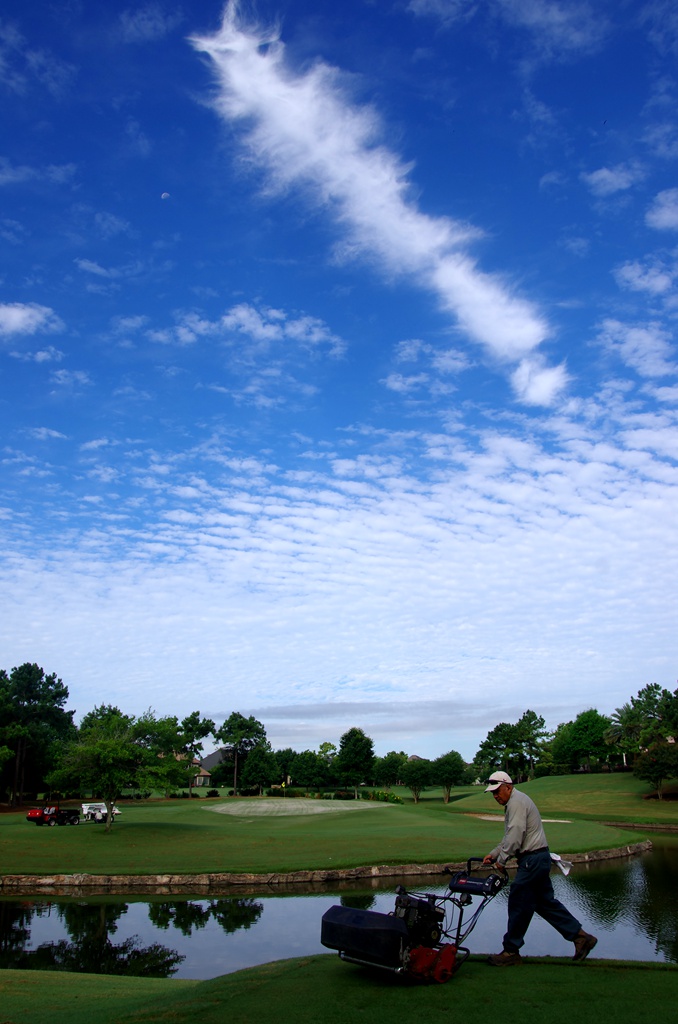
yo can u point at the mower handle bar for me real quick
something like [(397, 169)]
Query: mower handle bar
[(474, 860)]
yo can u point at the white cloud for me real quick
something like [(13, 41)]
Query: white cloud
[(646, 349), (125, 324), (606, 181), (653, 278), (109, 225), (267, 325), (661, 19), (405, 385), (260, 327), (47, 434), (663, 214), (438, 364), (13, 174), (99, 442), (552, 179), (519, 555), (148, 23), (663, 138), (23, 66), (447, 11), (450, 360), (45, 355), (669, 394), (306, 133), (91, 267), (559, 26), (577, 245), (27, 318), (538, 384), (70, 378)]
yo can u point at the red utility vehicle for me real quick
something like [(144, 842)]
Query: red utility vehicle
[(52, 814)]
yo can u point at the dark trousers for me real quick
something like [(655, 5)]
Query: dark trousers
[(531, 893)]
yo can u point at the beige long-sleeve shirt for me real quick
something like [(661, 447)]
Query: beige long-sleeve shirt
[(523, 830)]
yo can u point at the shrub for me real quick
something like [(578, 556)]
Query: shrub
[(381, 795), (212, 792)]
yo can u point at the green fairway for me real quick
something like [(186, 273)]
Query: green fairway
[(323, 990), (607, 797), (192, 837)]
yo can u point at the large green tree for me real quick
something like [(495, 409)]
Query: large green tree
[(449, 770), (531, 733), (499, 750), (284, 759), (657, 709), (308, 770), (417, 774), (355, 760), (581, 742), (32, 720), (512, 747), (658, 764), (240, 735), (114, 752), (261, 767), (387, 769), (193, 729), (623, 732)]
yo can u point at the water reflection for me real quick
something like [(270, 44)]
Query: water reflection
[(187, 916), (90, 949), (632, 906), (90, 925)]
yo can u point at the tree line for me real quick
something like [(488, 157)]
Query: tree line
[(639, 736), (111, 752)]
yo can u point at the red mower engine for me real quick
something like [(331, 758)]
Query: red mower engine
[(432, 964), (425, 923)]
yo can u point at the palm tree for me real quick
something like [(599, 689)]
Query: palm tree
[(624, 730)]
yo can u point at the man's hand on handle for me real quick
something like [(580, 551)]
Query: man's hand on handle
[(490, 860)]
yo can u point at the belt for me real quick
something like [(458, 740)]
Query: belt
[(526, 853)]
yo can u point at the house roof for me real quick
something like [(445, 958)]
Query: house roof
[(212, 760)]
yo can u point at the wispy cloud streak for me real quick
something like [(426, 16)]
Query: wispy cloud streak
[(305, 131)]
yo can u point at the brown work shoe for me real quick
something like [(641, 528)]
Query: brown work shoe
[(583, 945), (505, 959)]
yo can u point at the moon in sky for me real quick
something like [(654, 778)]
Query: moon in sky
[(165, 195)]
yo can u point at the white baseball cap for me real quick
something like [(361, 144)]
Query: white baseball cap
[(495, 781)]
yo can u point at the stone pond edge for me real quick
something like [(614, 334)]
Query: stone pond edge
[(212, 881)]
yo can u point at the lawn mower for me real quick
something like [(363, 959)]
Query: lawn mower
[(423, 936)]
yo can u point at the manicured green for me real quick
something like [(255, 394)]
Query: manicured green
[(185, 836), (323, 990)]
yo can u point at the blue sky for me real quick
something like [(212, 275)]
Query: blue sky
[(337, 359)]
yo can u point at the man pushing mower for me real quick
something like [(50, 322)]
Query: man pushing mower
[(531, 890)]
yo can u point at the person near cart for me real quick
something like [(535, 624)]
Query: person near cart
[(531, 890)]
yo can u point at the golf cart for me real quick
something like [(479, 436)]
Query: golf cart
[(52, 814)]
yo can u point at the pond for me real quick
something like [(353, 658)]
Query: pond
[(631, 905)]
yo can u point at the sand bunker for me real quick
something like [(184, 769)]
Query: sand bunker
[(274, 806)]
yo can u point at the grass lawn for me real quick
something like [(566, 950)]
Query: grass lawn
[(618, 797), (323, 990), (184, 836)]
